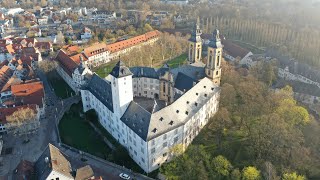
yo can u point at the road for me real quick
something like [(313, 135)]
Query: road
[(100, 167)]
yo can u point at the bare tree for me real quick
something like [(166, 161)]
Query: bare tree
[(22, 122)]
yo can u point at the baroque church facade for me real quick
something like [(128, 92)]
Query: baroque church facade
[(180, 102)]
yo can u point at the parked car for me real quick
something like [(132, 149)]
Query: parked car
[(124, 176)]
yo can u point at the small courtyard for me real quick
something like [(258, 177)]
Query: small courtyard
[(76, 131), (105, 69), (60, 87)]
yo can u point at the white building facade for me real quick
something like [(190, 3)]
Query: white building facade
[(149, 136)]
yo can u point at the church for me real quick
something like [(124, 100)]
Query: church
[(150, 111)]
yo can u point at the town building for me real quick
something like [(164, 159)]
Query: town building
[(150, 111), (237, 54), (53, 164)]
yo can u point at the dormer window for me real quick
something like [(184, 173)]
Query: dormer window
[(187, 102), (205, 95), (171, 123), (212, 88), (197, 94), (154, 130), (161, 119), (204, 86), (196, 104), (187, 112), (177, 111)]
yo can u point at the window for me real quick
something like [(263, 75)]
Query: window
[(165, 144), (176, 131), (153, 150), (164, 136), (142, 160), (164, 154), (217, 72), (142, 150), (164, 87), (134, 143), (175, 140), (135, 152)]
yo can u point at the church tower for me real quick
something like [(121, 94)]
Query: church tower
[(195, 44), (213, 64)]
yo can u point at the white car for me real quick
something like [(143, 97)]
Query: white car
[(124, 176)]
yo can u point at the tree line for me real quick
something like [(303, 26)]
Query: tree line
[(259, 130), (302, 44)]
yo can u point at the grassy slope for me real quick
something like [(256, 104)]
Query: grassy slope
[(61, 88), (76, 132)]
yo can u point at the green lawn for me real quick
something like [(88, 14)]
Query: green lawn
[(76, 132), (105, 69), (176, 62), (61, 88)]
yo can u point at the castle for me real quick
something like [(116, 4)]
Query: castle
[(149, 111)]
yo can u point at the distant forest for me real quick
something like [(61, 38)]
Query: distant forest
[(301, 44)]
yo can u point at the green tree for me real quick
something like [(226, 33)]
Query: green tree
[(292, 176), (250, 173), (147, 27), (222, 166)]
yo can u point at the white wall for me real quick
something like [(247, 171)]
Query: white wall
[(145, 87)]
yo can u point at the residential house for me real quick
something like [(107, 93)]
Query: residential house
[(43, 20), (86, 33), (234, 52), (53, 164)]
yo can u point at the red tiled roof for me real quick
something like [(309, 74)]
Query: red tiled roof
[(118, 46), (71, 49), (24, 170), (28, 93), (234, 50), (76, 58), (95, 49), (4, 112), (43, 45), (66, 62)]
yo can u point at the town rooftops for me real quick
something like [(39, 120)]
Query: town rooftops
[(29, 93), (84, 173), (24, 170), (118, 46), (67, 64), (148, 126), (50, 160), (95, 49)]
